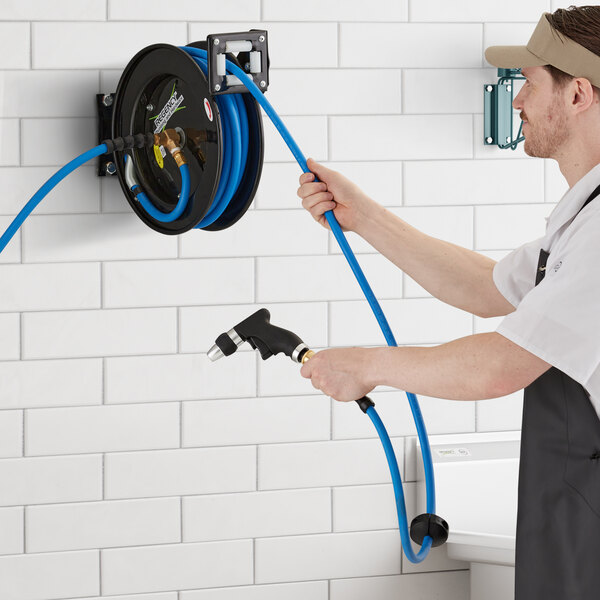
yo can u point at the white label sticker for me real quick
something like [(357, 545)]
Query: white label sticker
[(171, 107), (453, 452), (208, 109)]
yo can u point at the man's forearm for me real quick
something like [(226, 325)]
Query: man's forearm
[(426, 371), (475, 367), (458, 276)]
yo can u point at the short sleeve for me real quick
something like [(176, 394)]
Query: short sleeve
[(559, 320), (514, 275)]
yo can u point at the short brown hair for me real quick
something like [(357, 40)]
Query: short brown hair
[(582, 25)]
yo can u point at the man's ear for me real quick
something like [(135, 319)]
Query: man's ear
[(582, 94)]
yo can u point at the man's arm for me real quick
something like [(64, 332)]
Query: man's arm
[(475, 367), (455, 275), (458, 276)]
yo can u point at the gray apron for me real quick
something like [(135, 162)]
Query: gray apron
[(558, 520)]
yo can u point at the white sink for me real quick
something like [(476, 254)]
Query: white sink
[(476, 478)]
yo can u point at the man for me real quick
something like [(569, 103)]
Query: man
[(549, 342)]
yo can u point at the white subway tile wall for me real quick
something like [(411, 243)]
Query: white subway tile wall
[(132, 467), (9, 130), (60, 527), (12, 526), (11, 433), (315, 590), (78, 193), (15, 46)]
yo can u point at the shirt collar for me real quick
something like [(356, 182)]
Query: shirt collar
[(574, 198)]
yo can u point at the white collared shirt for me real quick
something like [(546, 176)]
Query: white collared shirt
[(559, 320)]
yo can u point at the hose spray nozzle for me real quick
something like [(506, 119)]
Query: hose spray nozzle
[(258, 331), (268, 340)]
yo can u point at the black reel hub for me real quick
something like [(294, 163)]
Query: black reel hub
[(163, 86)]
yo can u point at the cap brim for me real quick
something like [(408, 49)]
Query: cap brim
[(512, 57)]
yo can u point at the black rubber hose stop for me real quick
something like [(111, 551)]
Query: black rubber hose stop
[(431, 525), (365, 403)]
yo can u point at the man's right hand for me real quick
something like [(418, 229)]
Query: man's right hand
[(333, 192)]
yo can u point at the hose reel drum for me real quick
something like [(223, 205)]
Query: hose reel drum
[(163, 85)]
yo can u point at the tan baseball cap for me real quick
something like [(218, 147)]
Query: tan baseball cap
[(547, 46)]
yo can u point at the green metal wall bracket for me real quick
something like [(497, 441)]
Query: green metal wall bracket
[(498, 111)]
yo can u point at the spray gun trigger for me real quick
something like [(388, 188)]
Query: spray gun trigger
[(258, 344)]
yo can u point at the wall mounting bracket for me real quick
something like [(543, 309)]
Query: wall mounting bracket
[(498, 111)]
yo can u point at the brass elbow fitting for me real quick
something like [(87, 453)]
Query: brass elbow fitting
[(170, 139)]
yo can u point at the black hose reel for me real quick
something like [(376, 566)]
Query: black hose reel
[(164, 84)]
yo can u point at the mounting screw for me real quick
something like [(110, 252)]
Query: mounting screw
[(488, 88), (107, 100), (216, 41), (489, 140), (110, 168), (217, 87), (150, 107), (261, 38), (263, 84)]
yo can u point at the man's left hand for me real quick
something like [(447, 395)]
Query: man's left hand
[(342, 373)]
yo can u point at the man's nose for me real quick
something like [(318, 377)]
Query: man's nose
[(517, 103)]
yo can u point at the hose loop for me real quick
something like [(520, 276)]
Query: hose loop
[(200, 56)]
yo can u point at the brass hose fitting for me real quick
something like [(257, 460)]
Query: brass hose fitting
[(170, 139), (307, 356), (179, 158)]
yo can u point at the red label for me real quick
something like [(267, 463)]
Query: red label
[(208, 109)]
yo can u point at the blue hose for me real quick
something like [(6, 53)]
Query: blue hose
[(200, 56), (399, 493), (45, 189), (181, 205), (234, 159), (234, 148)]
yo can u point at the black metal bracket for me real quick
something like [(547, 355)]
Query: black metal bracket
[(217, 45), (104, 107)]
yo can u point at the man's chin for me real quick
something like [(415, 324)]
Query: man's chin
[(528, 149), (531, 150)]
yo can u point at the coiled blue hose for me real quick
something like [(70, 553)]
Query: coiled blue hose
[(235, 153), (200, 56), (235, 144)]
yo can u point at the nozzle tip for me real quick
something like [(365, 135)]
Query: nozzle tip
[(215, 353)]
